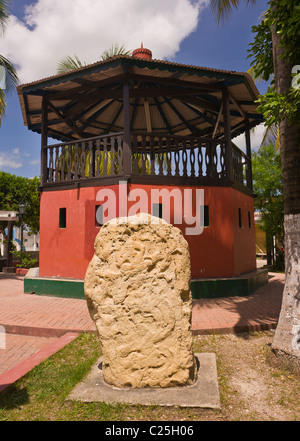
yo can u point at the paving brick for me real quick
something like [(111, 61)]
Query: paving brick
[(19, 348), (33, 322)]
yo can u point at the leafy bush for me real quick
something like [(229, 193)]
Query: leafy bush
[(26, 261)]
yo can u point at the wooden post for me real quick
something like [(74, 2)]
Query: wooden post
[(227, 134), (44, 142), (126, 136), (9, 240), (248, 152)]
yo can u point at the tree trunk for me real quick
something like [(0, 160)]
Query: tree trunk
[(287, 336)]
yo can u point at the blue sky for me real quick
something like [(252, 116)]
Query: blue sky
[(209, 45)]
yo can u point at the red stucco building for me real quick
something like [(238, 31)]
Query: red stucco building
[(150, 124)]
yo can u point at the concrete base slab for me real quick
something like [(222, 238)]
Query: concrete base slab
[(203, 393)]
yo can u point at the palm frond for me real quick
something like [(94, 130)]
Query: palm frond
[(253, 75), (12, 79), (113, 51), (223, 9), (69, 63), (2, 105), (72, 63), (4, 14), (271, 136)]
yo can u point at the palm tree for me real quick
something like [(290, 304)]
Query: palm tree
[(222, 9), (70, 63), (11, 78), (287, 336)]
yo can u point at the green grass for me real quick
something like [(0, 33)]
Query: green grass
[(42, 394)]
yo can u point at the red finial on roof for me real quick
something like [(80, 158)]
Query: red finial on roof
[(143, 53)]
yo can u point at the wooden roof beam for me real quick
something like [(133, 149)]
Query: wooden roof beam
[(185, 122), (147, 116), (70, 123), (115, 118), (162, 114), (177, 82), (239, 108)]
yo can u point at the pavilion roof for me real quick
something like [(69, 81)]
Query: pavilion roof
[(165, 98)]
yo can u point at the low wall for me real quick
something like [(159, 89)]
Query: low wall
[(203, 288)]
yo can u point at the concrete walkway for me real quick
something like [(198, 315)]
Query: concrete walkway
[(30, 324)]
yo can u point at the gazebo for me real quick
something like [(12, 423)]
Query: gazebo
[(147, 124)]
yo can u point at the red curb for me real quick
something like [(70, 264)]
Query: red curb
[(25, 366), (34, 331)]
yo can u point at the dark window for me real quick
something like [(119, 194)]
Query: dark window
[(157, 210), (99, 215), (240, 218), (205, 213), (249, 219), (62, 217)]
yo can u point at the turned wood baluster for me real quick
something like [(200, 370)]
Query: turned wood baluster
[(114, 160), (97, 158), (213, 160), (152, 155), (50, 165), (176, 157), (184, 158), (69, 161), (76, 160), (135, 169), (192, 157), (62, 163), (144, 155), (120, 155), (91, 160), (57, 160), (103, 159), (200, 159), (160, 157), (82, 161)]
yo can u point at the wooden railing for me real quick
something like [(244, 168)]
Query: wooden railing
[(84, 159), (242, 170), (161, 159), (169, 157)]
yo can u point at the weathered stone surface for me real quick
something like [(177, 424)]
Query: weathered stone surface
[(137, 287)]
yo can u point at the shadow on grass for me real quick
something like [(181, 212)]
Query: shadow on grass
[(13, 397)]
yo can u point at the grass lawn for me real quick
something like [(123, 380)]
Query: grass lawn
[(253, 386)]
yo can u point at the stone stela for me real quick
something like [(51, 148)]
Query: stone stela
[(137, 287)]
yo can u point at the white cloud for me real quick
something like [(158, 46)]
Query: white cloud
[(34, 162), (9, 160), (15, 159), (52, 30), (256, 138)]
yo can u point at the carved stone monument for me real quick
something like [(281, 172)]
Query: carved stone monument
[(137, 287)]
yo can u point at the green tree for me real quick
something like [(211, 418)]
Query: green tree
[(268, 187), (10, 73), (15, 190), (276, 51)]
